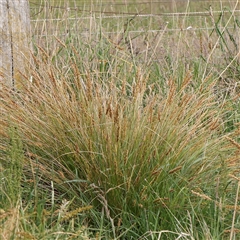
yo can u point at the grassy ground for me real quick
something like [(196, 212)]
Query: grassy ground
[(124, 132)]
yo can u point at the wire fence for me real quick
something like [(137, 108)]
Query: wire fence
[(203, 7), (198, 19), (84, 11)]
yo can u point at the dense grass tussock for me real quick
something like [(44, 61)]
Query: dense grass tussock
[(149, 160), (106, 142)]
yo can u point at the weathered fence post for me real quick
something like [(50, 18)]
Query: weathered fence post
[(14, 41)]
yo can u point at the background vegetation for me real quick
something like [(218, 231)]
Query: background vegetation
[(127, 126)]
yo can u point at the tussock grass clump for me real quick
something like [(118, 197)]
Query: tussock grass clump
[(123, 135), (120, 144)]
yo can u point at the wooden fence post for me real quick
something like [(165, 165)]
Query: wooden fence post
[(14, 41)]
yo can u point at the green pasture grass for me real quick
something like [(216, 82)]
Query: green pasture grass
[(145, 6), (109, 141)]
